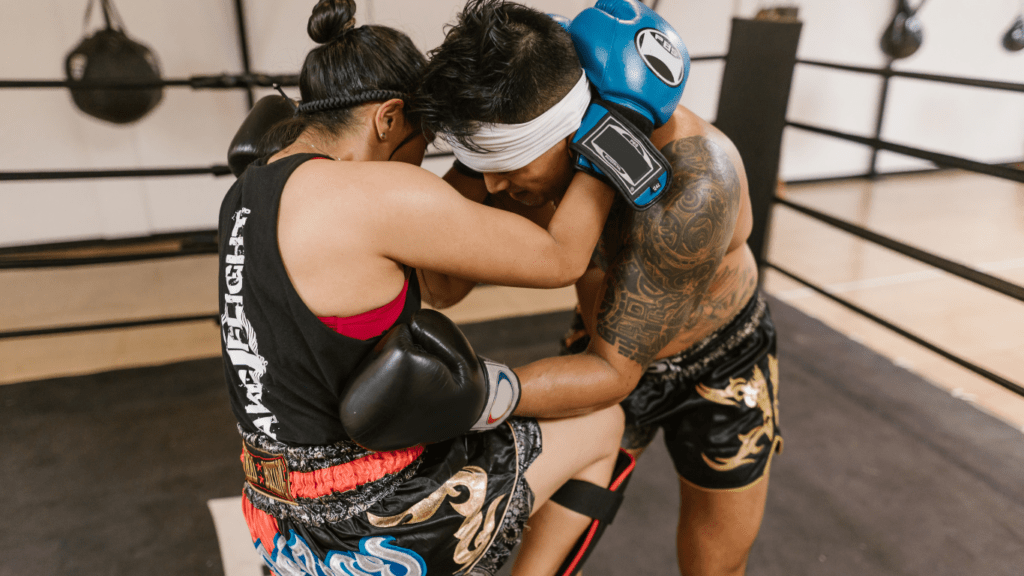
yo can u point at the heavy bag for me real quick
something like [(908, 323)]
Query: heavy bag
[(904, 34), (109, 57), (1013, 40)]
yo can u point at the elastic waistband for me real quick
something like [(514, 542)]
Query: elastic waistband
[(716, 345), (292, 474)]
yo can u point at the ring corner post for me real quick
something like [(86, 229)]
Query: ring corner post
[(752, 108)]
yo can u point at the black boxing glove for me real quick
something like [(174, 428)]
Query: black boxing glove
[(244, 148), (423, 383)]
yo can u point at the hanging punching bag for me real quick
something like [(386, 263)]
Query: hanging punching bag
[(904, 35), (109, 57), (1013, 40)]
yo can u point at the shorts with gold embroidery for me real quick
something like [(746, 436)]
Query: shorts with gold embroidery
[(456, 507), (717, 402)]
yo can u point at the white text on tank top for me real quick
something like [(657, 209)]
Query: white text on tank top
[(240, 336)]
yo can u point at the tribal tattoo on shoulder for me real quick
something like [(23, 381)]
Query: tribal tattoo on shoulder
[(670, 253)]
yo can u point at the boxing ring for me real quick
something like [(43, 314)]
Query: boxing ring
[(883, 473), (989, 281)]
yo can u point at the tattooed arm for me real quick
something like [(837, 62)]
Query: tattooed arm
[(654, 286)]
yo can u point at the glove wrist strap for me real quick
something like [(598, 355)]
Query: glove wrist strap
[(642, 123), (503, 391), (616, 149)]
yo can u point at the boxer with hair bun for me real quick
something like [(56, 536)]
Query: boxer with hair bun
[(323, 240)]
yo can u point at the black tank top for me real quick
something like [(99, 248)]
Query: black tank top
[(286, 371)]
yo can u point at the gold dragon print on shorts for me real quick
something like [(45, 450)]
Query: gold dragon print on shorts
[(752, 393), (474, 480)]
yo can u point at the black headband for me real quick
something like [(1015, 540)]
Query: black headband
[(339, 102)]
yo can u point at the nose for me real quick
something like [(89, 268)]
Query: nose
[(495, 182)]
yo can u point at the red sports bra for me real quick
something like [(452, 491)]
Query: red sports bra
[(369, 324)]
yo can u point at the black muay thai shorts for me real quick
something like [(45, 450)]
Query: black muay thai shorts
[(717, 402), (456, 507)]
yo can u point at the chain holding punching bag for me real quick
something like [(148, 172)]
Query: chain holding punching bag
[(904, 35), (109, 57)]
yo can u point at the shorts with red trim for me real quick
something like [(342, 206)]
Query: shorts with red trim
[(456, 507), (717, 402)]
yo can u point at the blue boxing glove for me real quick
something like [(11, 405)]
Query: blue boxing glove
[(632, 56), (562, 20), (638, 65)]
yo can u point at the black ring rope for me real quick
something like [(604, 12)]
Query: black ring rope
[(212, 82), (106, 326), (19, 264), (1009, 385), (221, 81), (997, 170), (706, 58), (976, 82), (970, 274), (215, 170)]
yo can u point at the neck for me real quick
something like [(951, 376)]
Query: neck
[(335, 148), (353, 145)]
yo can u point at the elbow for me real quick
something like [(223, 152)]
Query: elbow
[(569, 273), (615, 396), (437, 302), (617, 384), (622, 391)]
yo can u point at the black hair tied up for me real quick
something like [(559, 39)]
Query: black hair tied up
[(331, 19), (351, 66)]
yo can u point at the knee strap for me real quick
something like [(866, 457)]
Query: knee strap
[(596, 502)]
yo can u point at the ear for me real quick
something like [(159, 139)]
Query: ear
[(389, 117)]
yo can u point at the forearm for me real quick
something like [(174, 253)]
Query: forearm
[(579, 220), (567, 386)]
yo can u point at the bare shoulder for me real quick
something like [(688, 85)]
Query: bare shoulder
[(347, 179), (686, 125), (704, 177), (359, 192)]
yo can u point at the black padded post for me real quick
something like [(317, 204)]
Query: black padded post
[(752, 108)]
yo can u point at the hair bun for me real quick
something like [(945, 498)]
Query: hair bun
[(331, 19)]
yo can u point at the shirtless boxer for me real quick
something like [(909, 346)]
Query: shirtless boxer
[(676, 331)]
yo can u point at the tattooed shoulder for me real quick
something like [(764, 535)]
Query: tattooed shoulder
[(660, 277)]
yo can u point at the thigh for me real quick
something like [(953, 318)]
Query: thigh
[(726, 430), (570, 445)]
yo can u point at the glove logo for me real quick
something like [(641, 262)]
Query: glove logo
[(503, 398), (660, 56)]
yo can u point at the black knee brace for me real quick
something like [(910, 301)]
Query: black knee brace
[(598, 503)]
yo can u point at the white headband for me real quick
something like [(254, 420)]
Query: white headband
[(509, 147)]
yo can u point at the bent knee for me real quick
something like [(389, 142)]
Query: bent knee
[(610, 423)]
